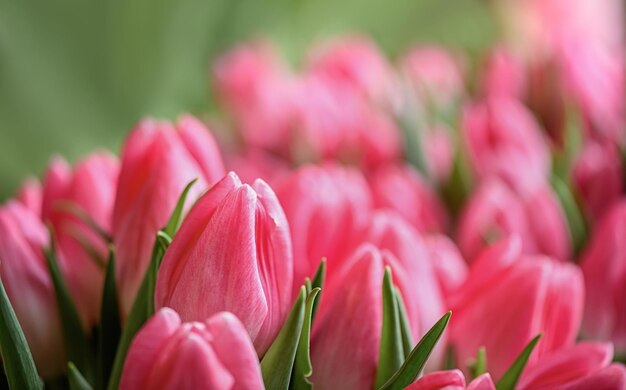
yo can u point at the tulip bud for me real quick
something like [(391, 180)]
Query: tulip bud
[(503, 140), (504, 75), (451, 380), (158, 161), (213, 354), (604, 266), (323, 206), (445, 258), (508, 299), (232, 253), (345, 339), (402, 189), (29, 287), (30, 195), (88, 189)]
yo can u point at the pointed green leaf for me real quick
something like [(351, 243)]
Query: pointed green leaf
[(77, 343), (407, 338), (110, 325), (391, 352), (415, 362), (302, 367), (76, 379), (479, 366), (318, 282), (76, 210), (512, 375), (17, 359), (176, 218), (573, 214), (277, 364)]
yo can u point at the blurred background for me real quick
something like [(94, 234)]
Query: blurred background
[(77, 74)]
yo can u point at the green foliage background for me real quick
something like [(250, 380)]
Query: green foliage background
[(76, 74)]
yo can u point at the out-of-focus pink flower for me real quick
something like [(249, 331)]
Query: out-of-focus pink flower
[(503, 140), (504, 75), (604, 267), (568, 367), (30, 194), (88, 188), (508, 299), (450, 267), (597, 176), (232, 252), (349, 315), (435, 74), (212, 354), (257, 90), (401, 188), (324, 205), (611, 377), (494, 211), (27, 281), (451, 380), (256, 163), (158, 160), (439, 152)]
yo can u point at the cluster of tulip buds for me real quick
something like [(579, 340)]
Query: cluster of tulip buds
[(437, 222)]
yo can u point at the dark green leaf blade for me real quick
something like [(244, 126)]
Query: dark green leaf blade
[(17, 359), (573, 214), (479, 366), (76, 379), (318, 282), (278, 362), (110, 325), (302, 367), (512, 375), (407, 338), (415, 362), (391, 352)]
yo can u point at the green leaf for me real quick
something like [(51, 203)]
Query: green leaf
[(77, 343), (17, 359), (318, 282), (110, 328), (512, 375), (415, 362), (479, 366), (407, 338), (76, 379), (277, 364), (176, 218), (573, 214), (302, 367), (391, 352)]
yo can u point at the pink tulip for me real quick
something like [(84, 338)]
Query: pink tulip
[(256, 163), (611, 377), (213, 354), (30, 195), (324, 205), (401, 188), (445, 258), (503, 140), (451, 380), (604, 266), (158, 161), (27, 282), (89, 188), (567, 367), (232, 253), (504, 75), (597, 175), (494, 211), (508, 299), (345, 339), (439, 152)]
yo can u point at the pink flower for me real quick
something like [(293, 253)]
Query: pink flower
[(158, 161), (27, 282), (503, 140), (232, 253), (604, 266), (451, 380), (508, 299), (213, 354), (504, 75), (439, 152), (401, 188), (30, 195), (256, 163), (345, 339), (90, 188), (445, 258), (324, 205)]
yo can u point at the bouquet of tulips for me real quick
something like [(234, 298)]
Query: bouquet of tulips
[(433, 222)]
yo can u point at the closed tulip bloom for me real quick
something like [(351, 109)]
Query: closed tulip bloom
[(508, 299), (232, 253), (604, 266), (88, 188), (30, 195), (158, 160), (324, 205), (27, 281), (345, 338), (503, 140), (446, 259), (168, 353), (451, 380), (401, 188), (504, 75)]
